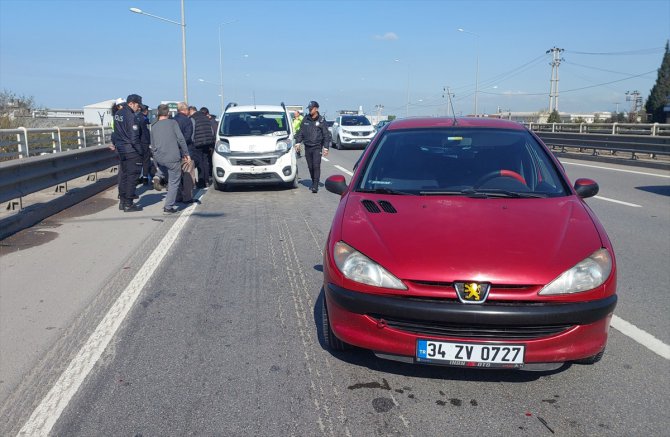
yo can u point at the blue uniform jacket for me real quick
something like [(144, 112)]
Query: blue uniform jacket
[(127, 131)]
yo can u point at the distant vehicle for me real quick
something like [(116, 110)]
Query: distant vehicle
[(381, 124), (352, 131), (329, 123), (462, 243), (255, 147)]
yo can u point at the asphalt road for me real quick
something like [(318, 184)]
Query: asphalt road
[(224, 338)]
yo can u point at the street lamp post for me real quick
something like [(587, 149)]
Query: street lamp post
[(221, 62), (477, 73), (183, 40), (220, 88), (406, 104)]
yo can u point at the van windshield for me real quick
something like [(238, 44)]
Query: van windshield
[(254, 123)]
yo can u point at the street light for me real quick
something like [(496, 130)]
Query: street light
[(477, 74), (220, 87), (407, 104), (221, 62), (183, 40)]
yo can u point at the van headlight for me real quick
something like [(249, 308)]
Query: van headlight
[(585, 275), (283, 146), (358, 267), (222, 147)]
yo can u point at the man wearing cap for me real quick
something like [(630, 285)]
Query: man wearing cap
[(315, 137), (127, 143)]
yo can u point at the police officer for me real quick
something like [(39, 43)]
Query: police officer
[(315, 136), (129, 147)]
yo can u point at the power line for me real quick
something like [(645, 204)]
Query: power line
[(630, 52)]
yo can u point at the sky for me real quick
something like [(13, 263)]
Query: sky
[(389, 57)]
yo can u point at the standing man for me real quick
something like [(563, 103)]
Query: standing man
[(127, 137), (169, 149), (314, 135), (145, 139), (203, 141), (186, 127)]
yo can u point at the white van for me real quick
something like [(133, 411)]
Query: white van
[(254, 146)]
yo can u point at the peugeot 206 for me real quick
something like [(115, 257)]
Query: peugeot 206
[(460, 241)]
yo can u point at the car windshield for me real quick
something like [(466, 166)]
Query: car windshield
[(254, 123), (475, 162), (355, 120)]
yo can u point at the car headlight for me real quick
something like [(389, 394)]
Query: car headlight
[(358, 267), (283, 146), (344, 131), (222, 147), (586, 275)]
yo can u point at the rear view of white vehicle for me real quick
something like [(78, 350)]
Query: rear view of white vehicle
[(254, 147)]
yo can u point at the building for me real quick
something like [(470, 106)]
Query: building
[(99, 113)]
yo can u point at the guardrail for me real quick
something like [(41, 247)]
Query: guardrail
[(28, 142), (653, 129), (20, 177)]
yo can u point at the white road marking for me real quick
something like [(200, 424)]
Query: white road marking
[(618, 201), (344, 170), (49, 410), (325, 159), (644, 338), (617, 169)]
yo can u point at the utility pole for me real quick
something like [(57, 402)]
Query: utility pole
[(446, 94), (636, 104), (553, 92)]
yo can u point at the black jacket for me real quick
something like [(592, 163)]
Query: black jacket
[(203, 137), (126, 131), (186, 127), (143, 121), (313, 133)]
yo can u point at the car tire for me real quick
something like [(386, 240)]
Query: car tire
[(338, 145), (591, 360), (294, 183), (329, 338), (218, 186)]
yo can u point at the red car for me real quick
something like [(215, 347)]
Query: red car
[(459, 241)]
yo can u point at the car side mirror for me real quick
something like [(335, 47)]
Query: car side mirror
[(586, 188), (336, 184)]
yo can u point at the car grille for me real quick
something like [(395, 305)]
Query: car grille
[(438, 329), (360, 134), (253, 161), (254, 176)]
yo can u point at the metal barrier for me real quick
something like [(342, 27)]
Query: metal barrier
[(20, 177), (653, 129), (28, 142)]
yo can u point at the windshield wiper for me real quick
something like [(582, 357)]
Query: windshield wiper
[(482, 194), (385, 191)]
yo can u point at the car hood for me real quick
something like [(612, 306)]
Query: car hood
[(358, 128), (254, 144), (445, 239)]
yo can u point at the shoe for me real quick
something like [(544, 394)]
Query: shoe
[(187, 201), (315, 188), (122, 205), (157, 183), (133, 207), (170, 210)]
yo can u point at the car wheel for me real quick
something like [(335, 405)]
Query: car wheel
[(591, 360), (329, 338), (338, 145), (294, 183), (218, 186)]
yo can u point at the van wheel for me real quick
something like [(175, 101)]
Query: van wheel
[(591, 360), (329, 338)]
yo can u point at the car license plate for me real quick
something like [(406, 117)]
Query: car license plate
[(470, 354)]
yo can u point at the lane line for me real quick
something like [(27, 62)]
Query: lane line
[(618, 169), (643, 337), (339, 167), (325, 159), (618, 201), (46, 414)]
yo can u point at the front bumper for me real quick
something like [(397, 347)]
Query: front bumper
[(255, 169), (551, 332)]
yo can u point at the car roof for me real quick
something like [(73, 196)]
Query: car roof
[(428, 122), (256, 108)]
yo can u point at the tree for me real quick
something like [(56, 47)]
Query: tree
[(12, 107), (659, 94), (554, 117)]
